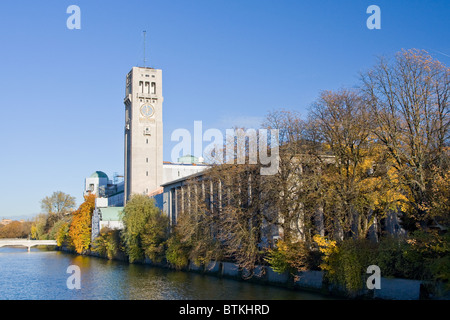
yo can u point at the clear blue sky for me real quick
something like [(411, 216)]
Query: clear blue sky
[(225, 63)]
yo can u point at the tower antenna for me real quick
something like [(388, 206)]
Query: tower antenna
[(145, 60)]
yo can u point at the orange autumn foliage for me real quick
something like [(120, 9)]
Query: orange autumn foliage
[(80, 228)]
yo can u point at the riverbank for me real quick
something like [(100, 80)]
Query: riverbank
[(309, 281)]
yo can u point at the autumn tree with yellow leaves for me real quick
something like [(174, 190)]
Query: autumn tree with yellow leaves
[(357, 183), (408, 100), (80, 227)]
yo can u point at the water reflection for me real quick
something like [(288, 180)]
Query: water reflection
[(43, 275)]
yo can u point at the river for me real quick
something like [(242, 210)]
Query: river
[(42, 275)]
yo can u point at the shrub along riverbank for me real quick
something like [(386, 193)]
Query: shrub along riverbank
[(348, 280)]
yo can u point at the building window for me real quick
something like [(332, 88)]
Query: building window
[(146, 173), (153, 87), (146, 141), (146, 160), (141, 86)]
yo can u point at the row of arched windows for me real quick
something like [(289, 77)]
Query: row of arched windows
[(147, 87)]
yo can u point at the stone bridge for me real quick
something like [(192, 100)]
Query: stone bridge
[(26, 243)]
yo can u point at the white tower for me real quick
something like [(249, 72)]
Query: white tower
[(143, 131), (95, 183)]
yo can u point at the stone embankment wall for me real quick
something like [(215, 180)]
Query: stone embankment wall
[(391, 288)]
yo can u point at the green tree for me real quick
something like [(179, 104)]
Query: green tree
[(177, 253), (154, 236), (145, 228), (347, 263), (38, 230), (108, 243), (291, 257), (62, 235)]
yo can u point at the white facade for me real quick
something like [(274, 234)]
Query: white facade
[(143, 131), (95, 183), (111, 224), (174, 171), (100, 185), (105, 216)]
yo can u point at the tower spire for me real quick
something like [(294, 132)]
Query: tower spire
[(145, 60)]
